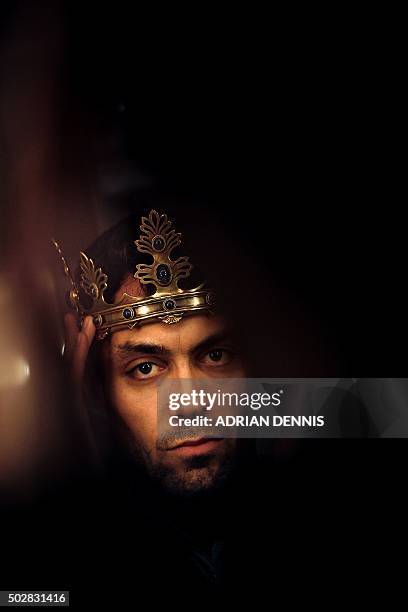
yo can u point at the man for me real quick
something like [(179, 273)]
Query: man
[(136, 357), (179, 487), (181, 518)]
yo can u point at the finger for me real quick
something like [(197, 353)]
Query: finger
[(71, 334), (88, 329), (84, 341)]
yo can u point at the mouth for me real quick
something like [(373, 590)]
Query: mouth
[(199, 446)]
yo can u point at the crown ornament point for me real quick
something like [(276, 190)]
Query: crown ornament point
[(167, 304), (73, 293), (159, 240)]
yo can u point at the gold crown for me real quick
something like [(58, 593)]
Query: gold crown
[(168, 303)]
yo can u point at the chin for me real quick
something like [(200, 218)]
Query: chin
[(193, 480)]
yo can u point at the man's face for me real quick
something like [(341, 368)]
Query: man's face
[(197, 347)]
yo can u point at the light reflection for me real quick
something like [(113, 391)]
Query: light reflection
[(15, 374)]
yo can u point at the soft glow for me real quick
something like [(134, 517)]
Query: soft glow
[(143, 310), (16, 374)]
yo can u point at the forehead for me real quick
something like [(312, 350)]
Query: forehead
[(183, 336)]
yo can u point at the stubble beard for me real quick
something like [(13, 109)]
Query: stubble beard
[(193, 476), (196, 476)]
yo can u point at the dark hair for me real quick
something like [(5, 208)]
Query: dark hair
[(115, 252)]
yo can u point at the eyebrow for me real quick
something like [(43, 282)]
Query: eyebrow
[(149, 348), (210, 341)]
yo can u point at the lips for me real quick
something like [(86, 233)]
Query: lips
[(194, 442), (197, 446)]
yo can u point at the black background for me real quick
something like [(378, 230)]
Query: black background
[(265, 124)]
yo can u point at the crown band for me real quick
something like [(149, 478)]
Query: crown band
[(167, 310)]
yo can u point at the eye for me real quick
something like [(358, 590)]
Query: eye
[(217, 357), (145, 369)]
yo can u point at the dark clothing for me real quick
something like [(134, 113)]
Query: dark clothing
[(282, 529)]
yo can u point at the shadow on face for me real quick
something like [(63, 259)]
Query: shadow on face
[(135, 361)]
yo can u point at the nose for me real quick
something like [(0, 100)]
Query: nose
[(186, 372), (183, 368)]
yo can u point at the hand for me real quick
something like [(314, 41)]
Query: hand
[(77, 344)]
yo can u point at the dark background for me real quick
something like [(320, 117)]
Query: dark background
[(288, 130), (282, 135)]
